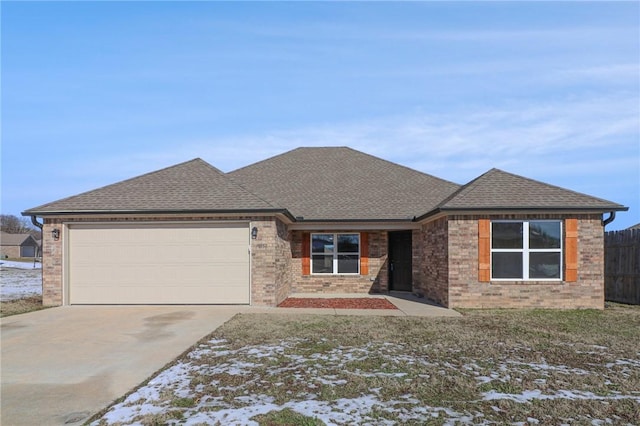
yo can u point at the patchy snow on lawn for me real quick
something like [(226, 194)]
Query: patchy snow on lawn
[(214, 411), (528, 396), (253, 365), (19, 279), (19, 265)]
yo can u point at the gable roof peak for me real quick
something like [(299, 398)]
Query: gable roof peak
[(193, 185)]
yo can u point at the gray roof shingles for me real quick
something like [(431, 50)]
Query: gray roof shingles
[(340, 183), (7, 239), (191, 186), (497, 189), (330, 183)]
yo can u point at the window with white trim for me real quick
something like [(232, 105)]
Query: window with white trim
[(335, 253), (526, 250)]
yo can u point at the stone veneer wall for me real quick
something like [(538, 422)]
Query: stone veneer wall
[(433, 264), (375, 282), (270, 264), (465, 291)]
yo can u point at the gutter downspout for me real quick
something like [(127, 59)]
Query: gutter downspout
[(34, 220), (611, 218)]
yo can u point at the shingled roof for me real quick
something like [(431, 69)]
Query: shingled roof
[(321, 184), (7, 239), (500, 190), (191, 186), (340, 183)]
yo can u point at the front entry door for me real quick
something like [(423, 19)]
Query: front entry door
[(400, 254)]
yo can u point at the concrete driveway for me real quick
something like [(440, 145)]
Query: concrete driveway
[(62, 365)]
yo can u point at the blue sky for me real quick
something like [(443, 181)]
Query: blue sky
[(96, 92)]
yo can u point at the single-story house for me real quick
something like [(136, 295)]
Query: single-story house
[(18, 245), (324, 220)]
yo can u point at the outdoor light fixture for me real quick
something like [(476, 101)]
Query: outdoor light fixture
[(254, 233), (55, 233)]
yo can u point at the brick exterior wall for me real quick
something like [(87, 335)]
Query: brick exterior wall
[(432, 265), (445, 264), (417, 260), (284, 261), (52, 279), (465, 291), (270, 263), (375, 282)]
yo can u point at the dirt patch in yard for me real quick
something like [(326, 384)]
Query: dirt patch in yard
[(337, 303)]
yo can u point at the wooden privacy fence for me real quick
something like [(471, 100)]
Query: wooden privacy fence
[(622, 266)]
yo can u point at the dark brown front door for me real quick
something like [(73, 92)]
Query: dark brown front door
[(400, 254)]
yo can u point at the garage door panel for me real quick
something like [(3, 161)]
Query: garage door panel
[(163, 264), (182, 273), (170, 252), (163, 296)]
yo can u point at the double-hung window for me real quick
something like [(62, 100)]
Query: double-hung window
[(526, 250), (335, 253)]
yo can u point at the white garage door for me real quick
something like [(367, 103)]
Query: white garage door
[(158, 264)]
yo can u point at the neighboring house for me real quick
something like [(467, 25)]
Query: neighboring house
[(18, 245), (324, 220)]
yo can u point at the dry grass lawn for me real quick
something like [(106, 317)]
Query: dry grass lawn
[(488, 367), (21, 306)]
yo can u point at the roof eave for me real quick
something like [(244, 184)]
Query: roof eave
[(302, 220), (41, 213), (354, 224), (497, 210)]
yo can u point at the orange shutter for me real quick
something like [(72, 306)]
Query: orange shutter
[(484, 250), (364, 253), (306, 247), (571, 250)]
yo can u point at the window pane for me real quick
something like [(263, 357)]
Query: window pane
[(506, 235), (322, 264), (348, 243), (322, 243), (348, 263), (544, 235), (506, 265), (544, 265)]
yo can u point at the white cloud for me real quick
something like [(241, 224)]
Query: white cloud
[(517, 134)]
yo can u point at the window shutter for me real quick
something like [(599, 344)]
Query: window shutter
[(306, 247), (484, 250), (364, 253), (571, 250)]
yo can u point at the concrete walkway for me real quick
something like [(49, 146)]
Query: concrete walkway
[(62, 365), (407, 304)]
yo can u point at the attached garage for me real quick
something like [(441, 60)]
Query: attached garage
[(158, 263)]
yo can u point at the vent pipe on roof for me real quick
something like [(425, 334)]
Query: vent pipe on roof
[(34, 220), (611, 218)]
